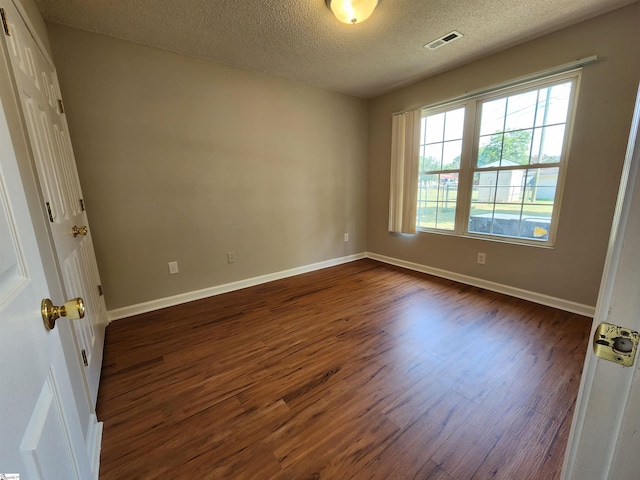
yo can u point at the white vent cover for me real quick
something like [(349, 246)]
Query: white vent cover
[(449, 37)]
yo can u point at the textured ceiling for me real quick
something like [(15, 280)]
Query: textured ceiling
[(303, 41)]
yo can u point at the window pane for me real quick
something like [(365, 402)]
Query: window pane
[(521, 111), (490, 150), (512, 148), (437, 196), (432, 157), (547, 144), (493, 116), (536, 221), (517, 142), (553, 105), (451, 155), (434, 128), (484, 187), (552, 139), (440, 151), (427, 215), (481, 218), (430, 182), (515, 203), (506, 199), (534, 226), (448, 188), (510, 186), (541, 186), (516, 148), (454, 124)]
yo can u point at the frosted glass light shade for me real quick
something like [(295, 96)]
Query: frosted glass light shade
[(352, 11)]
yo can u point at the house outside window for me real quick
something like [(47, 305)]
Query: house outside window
[(493, 166)]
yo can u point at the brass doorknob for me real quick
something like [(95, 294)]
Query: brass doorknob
[(73, 309), (79, 230)]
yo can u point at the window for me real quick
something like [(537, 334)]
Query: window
[(439, 170), (493, 165)]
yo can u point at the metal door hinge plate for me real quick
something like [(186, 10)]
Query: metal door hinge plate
[(616, 344), (60, 105), (100, 290), (5, 24), (50, 212), (84, 358)]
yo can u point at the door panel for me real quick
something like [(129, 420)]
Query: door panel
[(12, 265), (42, 436), (73, 275), (45, 448), (39, 94)]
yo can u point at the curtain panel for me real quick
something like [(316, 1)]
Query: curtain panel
[(405, 160)]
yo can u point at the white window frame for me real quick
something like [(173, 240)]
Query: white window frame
[(435, 111), (469, 155)]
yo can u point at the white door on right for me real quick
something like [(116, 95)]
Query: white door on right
[(604, 443)]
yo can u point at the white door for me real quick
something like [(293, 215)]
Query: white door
[(604, 443), (40, 97), (40, 432)]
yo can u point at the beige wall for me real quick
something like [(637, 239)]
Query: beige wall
[(572, 269), (186, 160)]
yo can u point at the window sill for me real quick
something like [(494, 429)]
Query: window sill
[(490, 238)]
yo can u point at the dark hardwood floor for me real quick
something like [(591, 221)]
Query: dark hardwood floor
[(362, 371)]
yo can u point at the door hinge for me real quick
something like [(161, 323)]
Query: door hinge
[(60, 105), (100, 290), (82, 204), (84, 357), (5, 24), (49, 212)]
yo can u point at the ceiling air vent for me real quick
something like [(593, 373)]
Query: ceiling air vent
[(449, 37)]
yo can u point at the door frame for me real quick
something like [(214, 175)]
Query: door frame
[(598, 408)]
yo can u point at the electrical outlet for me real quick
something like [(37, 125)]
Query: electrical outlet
[(231, 257), (482, 258), (346, 237), (173, 268)]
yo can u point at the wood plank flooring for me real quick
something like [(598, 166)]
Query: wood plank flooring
[(361, 371)]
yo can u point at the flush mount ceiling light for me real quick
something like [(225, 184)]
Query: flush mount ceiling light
[(352, 11)]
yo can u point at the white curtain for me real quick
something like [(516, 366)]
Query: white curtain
[(405, 159)]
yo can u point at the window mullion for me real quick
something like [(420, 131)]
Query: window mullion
[(465, 183)]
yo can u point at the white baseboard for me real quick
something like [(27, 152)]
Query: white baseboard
[(145, 307), (559, 303), (581, 309)]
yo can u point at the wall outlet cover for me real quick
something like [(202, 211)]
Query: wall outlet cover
[(173, 268)]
